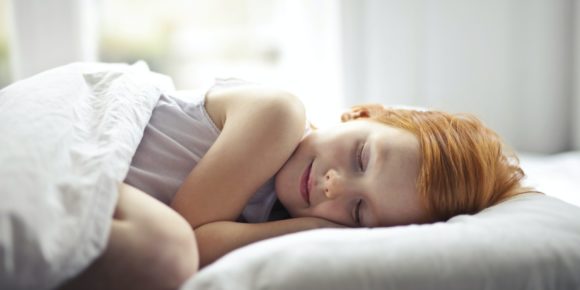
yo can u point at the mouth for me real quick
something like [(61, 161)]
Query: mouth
[(305, 184)]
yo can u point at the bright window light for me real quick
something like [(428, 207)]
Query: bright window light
[(4, 63), (292, 44)]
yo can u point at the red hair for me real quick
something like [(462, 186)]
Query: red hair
[(465, 166)]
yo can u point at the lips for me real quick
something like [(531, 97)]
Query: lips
[(304, 184)]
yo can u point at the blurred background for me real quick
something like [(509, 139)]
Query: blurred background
[(513, 63)]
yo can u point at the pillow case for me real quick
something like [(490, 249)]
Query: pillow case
[(531, 241)]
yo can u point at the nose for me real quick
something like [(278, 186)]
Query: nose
[(335, 185)]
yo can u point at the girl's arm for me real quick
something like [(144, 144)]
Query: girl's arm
[(218, 238), (260, 128)]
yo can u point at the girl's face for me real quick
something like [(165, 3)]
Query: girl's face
[(360, 173)]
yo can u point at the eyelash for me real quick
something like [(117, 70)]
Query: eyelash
[(360, 164), (359, 157), (357, 212)]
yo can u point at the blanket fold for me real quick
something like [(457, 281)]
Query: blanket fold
[(67, 137)]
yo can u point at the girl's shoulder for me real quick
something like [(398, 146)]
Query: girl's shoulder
[(234, 98), (260, 128)]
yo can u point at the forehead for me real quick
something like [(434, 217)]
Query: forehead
[(383, 138), (384, 134)]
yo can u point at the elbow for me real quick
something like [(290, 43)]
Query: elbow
[(211, 245), (175, 251)]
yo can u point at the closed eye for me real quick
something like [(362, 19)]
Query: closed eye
[(359, 157), (357, 213)]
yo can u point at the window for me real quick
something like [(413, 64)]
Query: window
[(292, 44), (191, 40), (4, 57)]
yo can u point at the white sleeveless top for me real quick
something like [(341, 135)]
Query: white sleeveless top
[(178, 135)]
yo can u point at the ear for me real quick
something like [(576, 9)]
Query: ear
[(355, 113)]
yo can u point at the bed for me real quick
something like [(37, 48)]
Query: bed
[(74, 129)]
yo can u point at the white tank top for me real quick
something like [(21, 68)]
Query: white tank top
[(178, 135)]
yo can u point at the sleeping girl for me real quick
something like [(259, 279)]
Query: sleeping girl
[(241, 164)]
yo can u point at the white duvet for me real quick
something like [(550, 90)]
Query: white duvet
[(67, 137)]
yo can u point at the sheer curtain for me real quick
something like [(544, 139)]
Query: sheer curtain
[(45, 34), (512, 63), (575, 103), (311, 56)]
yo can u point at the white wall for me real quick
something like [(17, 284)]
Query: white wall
[(46, 34), (509, 62), (576, 101), (384, 57)]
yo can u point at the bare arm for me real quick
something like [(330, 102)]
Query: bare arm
[(260, 129)]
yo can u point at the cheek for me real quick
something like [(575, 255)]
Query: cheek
[(292, 170), (333, 211), (283, 184), (402, 211), (286, 181)]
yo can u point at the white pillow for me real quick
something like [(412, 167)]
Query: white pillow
[(531, 241)]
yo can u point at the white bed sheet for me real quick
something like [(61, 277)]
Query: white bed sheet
[(556, 175), (67, 137)]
